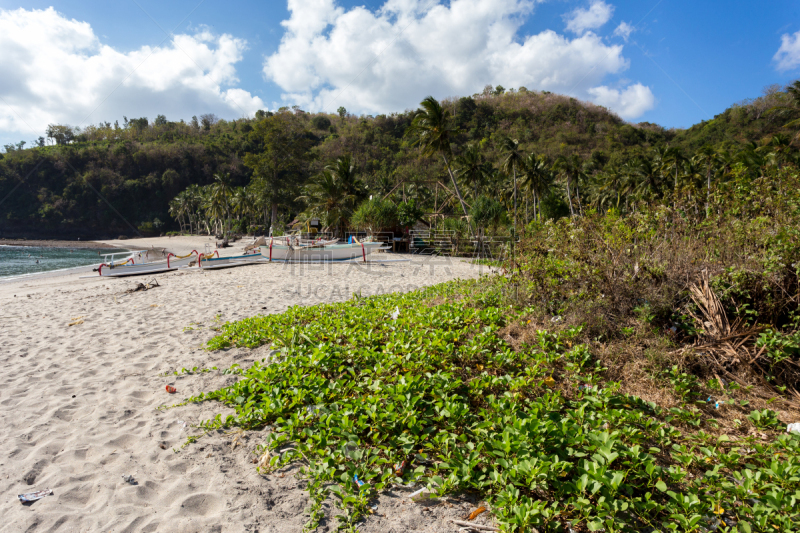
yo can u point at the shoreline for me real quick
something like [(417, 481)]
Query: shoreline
[(56, 243), (85, 364)]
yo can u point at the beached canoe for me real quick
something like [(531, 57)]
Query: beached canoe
[(134, 269), (321, 253), (212, 263)]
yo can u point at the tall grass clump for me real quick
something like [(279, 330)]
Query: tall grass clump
[(619, 275)]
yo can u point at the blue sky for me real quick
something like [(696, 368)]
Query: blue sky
[(678, 63)]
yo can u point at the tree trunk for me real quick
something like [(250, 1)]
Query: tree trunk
[(526, 213), (708, 190), (274, 217), (515, 201), (458, 193), (569, 197)]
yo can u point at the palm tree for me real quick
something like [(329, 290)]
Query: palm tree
[(193, 195), (333, 194), (537, 179), (344, 171), (776, 149), (472, 169), (571, 168), (609, 186), (327, 199), (512, 158), (220, 202), (672, 158), (243, 203), (176, 210), (647, 178), (431, 130), (707, 159), (750, 156)]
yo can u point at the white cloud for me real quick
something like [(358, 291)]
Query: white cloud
[(630, 102), (581, 20), (788, 55), (56, 70), (624, 30), (390, 59)]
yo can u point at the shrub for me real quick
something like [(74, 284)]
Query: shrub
[(375, 215), (408, 213), (321, 122)]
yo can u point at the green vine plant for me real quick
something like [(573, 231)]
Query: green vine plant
[(366, 398)]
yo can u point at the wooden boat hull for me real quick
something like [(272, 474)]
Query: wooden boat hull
[(213, 263), (145, 268), (321, 254)]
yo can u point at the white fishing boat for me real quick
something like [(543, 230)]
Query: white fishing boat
[(207, 262), (131, 268), (287, 249)]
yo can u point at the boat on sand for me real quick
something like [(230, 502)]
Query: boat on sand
[(131, 268), (288, 249), (207, 262)]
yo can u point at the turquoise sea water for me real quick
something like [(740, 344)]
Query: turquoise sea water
[(20, 260)]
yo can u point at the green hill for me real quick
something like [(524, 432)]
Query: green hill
[(108, 180)]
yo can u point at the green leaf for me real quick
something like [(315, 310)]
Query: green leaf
[(660, 485)]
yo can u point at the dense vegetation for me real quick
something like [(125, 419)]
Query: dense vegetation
[(626, 373), (214, 175)]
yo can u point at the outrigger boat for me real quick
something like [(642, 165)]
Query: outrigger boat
[(134, 269), (208, 262), (291, 250)]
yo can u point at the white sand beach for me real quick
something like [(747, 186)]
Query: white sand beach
[(79, 402)]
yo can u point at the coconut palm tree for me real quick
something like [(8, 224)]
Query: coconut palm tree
[(431, 129), (176, 210), (608, 187), (776, 149), (219, 205), (709, 161), (537, 179), (512, 159), (672, 159), (344, 170), (647, 178), (472, 169), (333, 194), (243, 203), (328, 199), (571, 169)]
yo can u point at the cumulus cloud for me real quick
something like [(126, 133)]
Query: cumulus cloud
[(389, 59), (630, 102), (624, 30), (788, 55), (55, 70), (581, 20)]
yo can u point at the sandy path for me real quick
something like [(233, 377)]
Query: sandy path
[(79, 402)]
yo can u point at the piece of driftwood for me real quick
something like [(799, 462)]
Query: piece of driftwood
[(474, 526)]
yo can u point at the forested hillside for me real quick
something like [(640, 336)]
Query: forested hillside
[(156, 176)]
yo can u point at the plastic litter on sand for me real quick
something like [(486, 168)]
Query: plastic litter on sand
[(33, 496)]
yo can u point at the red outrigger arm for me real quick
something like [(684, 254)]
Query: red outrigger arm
[(100, 268), (204, 256)]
